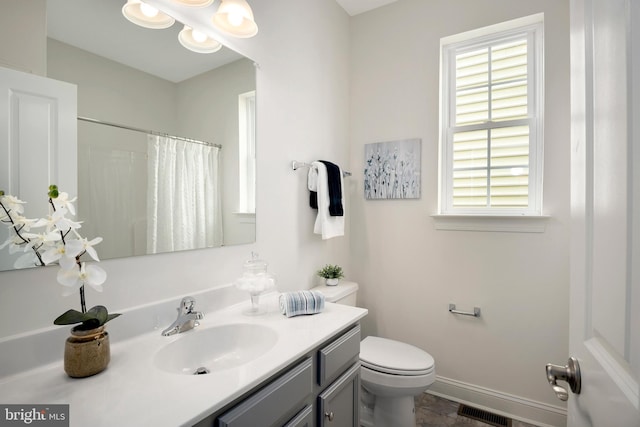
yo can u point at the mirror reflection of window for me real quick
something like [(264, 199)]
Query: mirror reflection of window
[(247, 152)]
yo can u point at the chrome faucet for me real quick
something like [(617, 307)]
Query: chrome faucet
[(187, 318)]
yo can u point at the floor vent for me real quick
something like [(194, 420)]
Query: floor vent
[(484, 416)]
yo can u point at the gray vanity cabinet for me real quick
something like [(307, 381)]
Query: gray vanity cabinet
[(336, 357), (339, 381), (338, 404), (321, 389), (303, 419), (280, 399)]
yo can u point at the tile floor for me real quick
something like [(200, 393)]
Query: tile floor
[(433, 411)]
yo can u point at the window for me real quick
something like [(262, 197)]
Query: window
[(247, 152), (491, 113)]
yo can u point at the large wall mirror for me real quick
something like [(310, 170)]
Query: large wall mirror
[(134, 83)]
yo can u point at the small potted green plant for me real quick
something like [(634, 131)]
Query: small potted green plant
[(331, 273)]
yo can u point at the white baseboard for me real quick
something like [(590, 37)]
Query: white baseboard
[(508, 405)]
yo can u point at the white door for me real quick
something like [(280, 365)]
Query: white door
[(605, 204), (38, 142)]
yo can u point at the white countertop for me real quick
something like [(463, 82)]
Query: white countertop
[(132, 391)]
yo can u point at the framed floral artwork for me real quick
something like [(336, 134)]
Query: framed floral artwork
[(392, 169)]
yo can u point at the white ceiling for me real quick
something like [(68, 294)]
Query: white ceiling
[(98, 26), (354, 7)]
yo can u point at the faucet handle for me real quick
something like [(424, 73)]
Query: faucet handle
[(186, 305)]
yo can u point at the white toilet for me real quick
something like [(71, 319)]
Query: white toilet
[(392, 372)]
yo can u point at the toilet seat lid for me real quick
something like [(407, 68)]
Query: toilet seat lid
[(394, 357)]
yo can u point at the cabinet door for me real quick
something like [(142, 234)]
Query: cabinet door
[(338, 405), (303, 419), (280, 399)]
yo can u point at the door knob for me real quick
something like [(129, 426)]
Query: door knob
[(569, 373)]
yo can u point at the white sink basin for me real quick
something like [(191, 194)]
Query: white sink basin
[(215, 348)]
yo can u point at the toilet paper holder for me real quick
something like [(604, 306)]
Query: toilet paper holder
[(476, 311)]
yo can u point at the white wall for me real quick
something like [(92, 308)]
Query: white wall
[(408, 271), (112, 92), (23, 33), (302, 115)]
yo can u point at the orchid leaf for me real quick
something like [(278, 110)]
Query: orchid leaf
[(99, 312), (112, 316), (71, 317), (93, 318)]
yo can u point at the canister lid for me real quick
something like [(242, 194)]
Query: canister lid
[(255, 265)]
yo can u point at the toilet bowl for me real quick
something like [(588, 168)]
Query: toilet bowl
[(391, 372)]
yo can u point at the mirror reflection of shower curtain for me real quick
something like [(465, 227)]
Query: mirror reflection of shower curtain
[(116, 176), (183, 197)]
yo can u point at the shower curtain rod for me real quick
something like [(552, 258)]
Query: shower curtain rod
[(152, 132)]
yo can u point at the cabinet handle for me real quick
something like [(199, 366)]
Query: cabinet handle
[(329, 415)]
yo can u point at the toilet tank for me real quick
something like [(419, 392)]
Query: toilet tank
[(342, 293)]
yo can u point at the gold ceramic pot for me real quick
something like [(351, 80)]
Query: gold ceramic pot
[(86, 352)]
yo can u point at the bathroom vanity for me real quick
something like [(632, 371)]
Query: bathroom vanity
[(321, 388), (263, 370)]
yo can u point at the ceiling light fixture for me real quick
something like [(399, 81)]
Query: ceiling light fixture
[(198, 41), (194, 3), (235, 17), (146, 16)]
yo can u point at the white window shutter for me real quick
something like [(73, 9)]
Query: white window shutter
[(490, 115)]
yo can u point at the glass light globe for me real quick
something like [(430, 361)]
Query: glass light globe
[(235, 19), (147, 10), (198, 36)]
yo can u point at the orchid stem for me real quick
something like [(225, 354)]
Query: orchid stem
[(83, 305), (18, 230)]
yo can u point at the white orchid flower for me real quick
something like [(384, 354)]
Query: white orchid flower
[(12, 203), (5, 217), (62, 222), (74, 278), (22, 224), (59, 253), (17, 248), (13, 219), (63, 202), (77, 246), (59, 221), (18, 245), (59, 241), (12, 242), (46, 239), (26, 261)]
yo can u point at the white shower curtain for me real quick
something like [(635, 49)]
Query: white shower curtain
[(183, 201)]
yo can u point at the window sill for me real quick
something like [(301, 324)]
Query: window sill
[(495, 223)]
